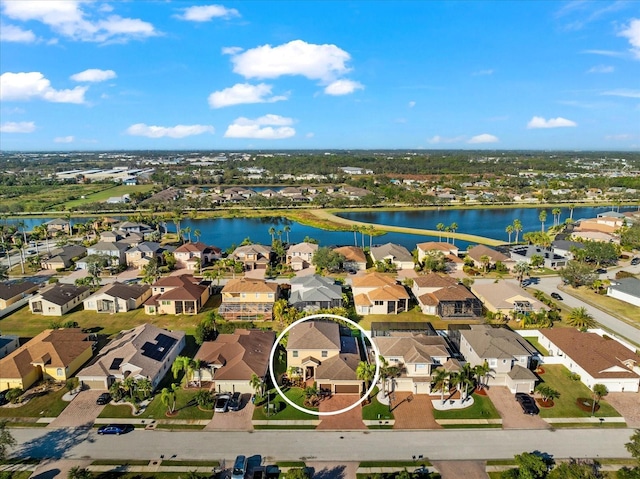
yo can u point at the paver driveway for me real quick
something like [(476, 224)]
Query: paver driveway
[(413, 411), (627, 404), (81, 411), (345, 421), (333, 470), (234, 420), (458, 469), (511, 412)]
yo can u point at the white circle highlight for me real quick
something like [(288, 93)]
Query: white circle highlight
[(376, 376)]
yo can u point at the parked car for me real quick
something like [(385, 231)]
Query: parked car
[(527, 403), (635, 261), (104, 398), (222, 402), (116, 429), (555, 295), (234, 402), (239, 467), (601, 271), (3, 397)]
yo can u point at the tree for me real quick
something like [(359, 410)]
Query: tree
[(542, 217), (257, 384), (6, 440), (486, 262), (434, 260), (517, 227), (530, 466), (453, 227), (327, 259), (521, 268), (439, 381), (481, 372), (206, 330), (297, 473), (144, 387), (577, 274), (272, 232), (598, 392), (354, 228), (537, 260), (547, 392), (580, 318), (366, 372), (509, 230), (168, 397), (287, 229), (151, 271), (78, 472), (633, 446), (440, 227), (576, 469)]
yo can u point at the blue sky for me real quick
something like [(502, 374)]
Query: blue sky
[(326, 74)]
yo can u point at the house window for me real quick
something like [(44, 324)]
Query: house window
[(270, 295), (294, 354), (378, 303), (59, 372), (325, 354), (166, 303), (162, 290), (243, 295), (493, 362), (421, 366)]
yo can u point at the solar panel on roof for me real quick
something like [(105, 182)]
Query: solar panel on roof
[(158, 349), (115, 365)]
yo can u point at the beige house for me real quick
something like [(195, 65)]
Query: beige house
[(143, 352), (354, 258), (320, 353), (478, 252), (139, 256), (58, 299), (449, 250), (194, 255), (248, 299), (299, 256), (253, 256), (117, 298), (506, 298), (182, 294), (54, 354), (232, 359), (62, 258), (443, 296), (398, 255), (416, 355), (376, 293), (11, 293), (507, 353)]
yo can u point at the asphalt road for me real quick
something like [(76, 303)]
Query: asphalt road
[(467, 444)]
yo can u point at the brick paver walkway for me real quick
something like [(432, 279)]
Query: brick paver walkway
[(413, 411), (627, 404), (82, 411), (348, 420)]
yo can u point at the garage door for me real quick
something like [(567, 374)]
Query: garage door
[(523, 388), (347, 389)]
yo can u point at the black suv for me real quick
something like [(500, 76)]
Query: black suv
[(104, 398), (527, 403), (555, 295), (635, 261)]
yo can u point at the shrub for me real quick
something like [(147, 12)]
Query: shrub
[(13, 395)]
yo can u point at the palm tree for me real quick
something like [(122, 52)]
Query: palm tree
[(509, 230), (598, 392), (272, 232), (521, 268), (257, 384), (486, 261), (197, 234), (78, 472), (439, 380), (145, 387), (581, 319), (187, 230), (542, 217), (466, 379), (453, 227), (366, 372), (440, 227), (481, 371), (20, 244), (354, 228), (168, 397), (517, 227), (287, 229), (371, 229), (547, 392), (556, 216)]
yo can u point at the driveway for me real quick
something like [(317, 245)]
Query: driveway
[(234, 420), (458, 469), (511, 412), (413, 411), (82, 411), (627, 404), (50, 468), (333, 470), (351, 419)]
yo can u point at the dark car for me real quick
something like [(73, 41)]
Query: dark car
[(104, 398), (3, 397), (527, 403), (234, 402), (555, 295), (222, 403), (635, 261), (116, 429), (601, 271)]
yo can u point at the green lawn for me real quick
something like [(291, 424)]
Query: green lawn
[(284, 410), (482, 408), (375, 410), (536, 344), (621, 310), (411, 316), (186, 407), (106, 192), (557, 376), (49, 404)]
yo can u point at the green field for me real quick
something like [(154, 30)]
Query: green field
[(482, 408), (106, 192)]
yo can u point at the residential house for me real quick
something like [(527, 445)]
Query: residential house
[(194, 255), (376, 293), (133, 227), (58, 225), (139, 256), (182, 294), (507, 353), (110, 236), (324, 354), (58, 299), (625, 289), (566, 248), (11, 293), (144, 352), (246, 298), (64, 257), (253, 256), (416, 356), (597, 359), (117, 297), (449, 250), (550, 259), (299, 256), (506, 298), (232, 359), (310, 293), (54, 354), (8, 344), (443, 296), (478, 252), (354, 258), (115, 250), (398, 255), (354, 193)]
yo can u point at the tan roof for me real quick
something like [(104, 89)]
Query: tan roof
[(197, 247), (176, 281), (489, 342), (372, 280), (55, 347), (246, 285), (240, 355), (188, 291), (600, 357), (362, 300), (388, 293), (433, 280), (414, 348), (352, 253), (481, 250), (503, 295), (303, 248), (341, 367), (315, 335), (454, 292), (518, 372), (428, 299), (436, 245)]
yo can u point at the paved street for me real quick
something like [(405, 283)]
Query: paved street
[(330, 446)]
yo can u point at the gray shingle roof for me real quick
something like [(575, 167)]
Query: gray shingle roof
[(490, 342)]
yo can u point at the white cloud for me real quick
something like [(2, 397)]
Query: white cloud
[(315, 62), (27, 85), (440, 139), (632, 33), (539, 122), (231, 50), (343, 87), (12, 33), (67, 18), (178, 131), (241, 93), (483, 72), (484, 138), (204, 13), (94, 75), (246, 128), (606, 53), (310, 135), (412, 104), (63, 139), (624, 92), (601, 69), (620, 137), (18, 127)]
